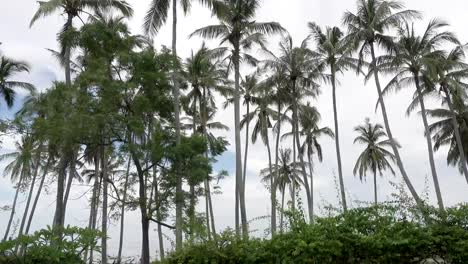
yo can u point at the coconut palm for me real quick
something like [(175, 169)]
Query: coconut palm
[(239, 29), (374, 157), (264, 116), (443, 133), (8, 68), (299, 66), (19, 170), (334, 52), (369, 27), (411, 58), (449, 71), (285, 175), (309, 119), (74, 9)]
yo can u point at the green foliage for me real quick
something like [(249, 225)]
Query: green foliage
[(48, 246), (379, 234)]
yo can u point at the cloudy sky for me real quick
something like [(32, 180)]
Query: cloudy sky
[(356, 101)]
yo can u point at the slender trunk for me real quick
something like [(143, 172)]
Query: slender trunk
[(31, 190), (71, 176), (375, 187), (293, 194), (145, 254), (38, 194), (272, 189), (456, 129), (207, 210), (282, 209), (278, 132), (58, 218), (337, 142), (13, 207), (158, 217), (246, 151), (179, 196), (67, 54), (440, 202), (122, 213), (210, 203), (94, 204), (239, 183), (105, 182), (390, 135), (309, 157)]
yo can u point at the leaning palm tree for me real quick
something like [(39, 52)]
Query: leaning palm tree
[(8, 68), (309, 119), (449, 71), (239, 29), (264, 116), (19, 170), (298, 65), (284, 175), (334, 52), (369, 27), (411, 57), (374, 157)]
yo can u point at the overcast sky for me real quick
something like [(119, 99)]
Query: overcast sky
[(356, 101)]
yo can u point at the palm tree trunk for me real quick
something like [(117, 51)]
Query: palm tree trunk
[(58, 218), (122, 213), (67, 54), (105, 182), (38, 194), (272, 189), (210, 203), (429, 144), (456, 131), (390, 135), (337, 143), (375, 187), (179, 195), (282, 209), (239, 183), (94, 204), (192, 185), (309, 157), (31, 190), (158, 216), (278, 132), (13, 207), (293, 195), (207, 210), (244, 174), (71, 176)]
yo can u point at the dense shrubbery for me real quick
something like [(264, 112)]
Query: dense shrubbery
[(48, 247), (383, 234)]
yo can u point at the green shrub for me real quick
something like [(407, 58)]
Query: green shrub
[(365, 235), (49, 246)]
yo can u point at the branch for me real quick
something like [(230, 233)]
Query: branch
[(162, 223)]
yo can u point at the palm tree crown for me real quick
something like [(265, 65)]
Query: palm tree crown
[(8, 68)]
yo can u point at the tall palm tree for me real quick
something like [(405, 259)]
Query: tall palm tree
[(411, 57), (309, 119), (374, 157), (239, 29), (284, 175), (19, 170), (449, 71), (264, 116), (334, 52), (8, 68), (369, 27), (155, 18), (299, 67)]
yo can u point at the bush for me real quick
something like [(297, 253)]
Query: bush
[(365, 235), (49, 246)]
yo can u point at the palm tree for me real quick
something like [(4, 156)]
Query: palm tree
[(309, 118), (8, 68), (374, 157), (448, 71), (443, 133), (73, 9), (19, 170), (368, 28), (264, 115), (284, 175), (411, 57), (238, 28), (334, 51), (299, 67)]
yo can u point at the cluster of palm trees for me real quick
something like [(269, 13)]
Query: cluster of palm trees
[(379, 40)]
